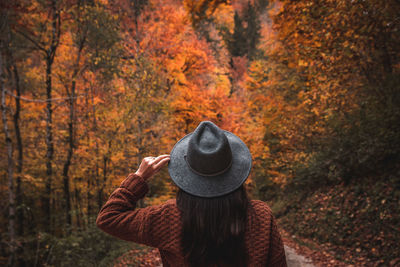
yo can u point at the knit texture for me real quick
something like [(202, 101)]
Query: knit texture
[(160, 226)]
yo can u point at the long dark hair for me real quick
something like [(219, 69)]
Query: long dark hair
[(214, 228)]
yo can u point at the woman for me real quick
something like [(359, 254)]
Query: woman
[(211, 222)]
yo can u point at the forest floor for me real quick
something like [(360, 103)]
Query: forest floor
[(152, 259), (306, 253), (356, 224), (298, 254)]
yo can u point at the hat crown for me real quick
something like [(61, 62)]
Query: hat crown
[(208, 152)]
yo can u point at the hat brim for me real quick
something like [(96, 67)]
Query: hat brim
[(210, 186)]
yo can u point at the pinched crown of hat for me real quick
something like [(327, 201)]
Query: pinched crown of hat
[(209, 162), (208, 151)]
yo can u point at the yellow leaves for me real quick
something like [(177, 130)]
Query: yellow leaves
[(224, 16), (277, 177), (97, 100), (281, 8), (302, 63), (223, 84), (180, 77), (315, 111), (104, 2), (37, 182), (117, 157), (200, 9)]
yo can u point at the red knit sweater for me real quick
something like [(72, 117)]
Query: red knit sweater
[(160, 226)]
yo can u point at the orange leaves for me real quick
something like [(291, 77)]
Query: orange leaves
[(302, 63), (201, 9), (239, 67), (188, 66)]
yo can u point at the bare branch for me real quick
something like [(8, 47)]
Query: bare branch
[(35, 43), (43, 100)]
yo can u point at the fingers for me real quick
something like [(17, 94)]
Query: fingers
[(161, 163), (149, 159), (151, 165), (154, 160), (160, 158)]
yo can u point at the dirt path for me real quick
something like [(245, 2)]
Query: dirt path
[(309, 253), (151, 258), (295, 260)]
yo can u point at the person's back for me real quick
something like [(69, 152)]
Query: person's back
[(211, 223)]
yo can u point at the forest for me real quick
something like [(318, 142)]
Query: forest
[(91, 87)]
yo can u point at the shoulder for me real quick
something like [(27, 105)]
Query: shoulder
[(162, 216), (167, 208), (170, 204), (260, 206), (260, 209), (167, 205)]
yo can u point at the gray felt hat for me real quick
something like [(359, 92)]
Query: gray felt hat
[(209, 162)]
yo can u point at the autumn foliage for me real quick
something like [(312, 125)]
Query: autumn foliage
[(89, 88)]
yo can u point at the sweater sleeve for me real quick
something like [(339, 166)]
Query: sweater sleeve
[(120, 217), (276, 255)]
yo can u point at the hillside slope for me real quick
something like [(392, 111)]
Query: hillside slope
[(360, 221)]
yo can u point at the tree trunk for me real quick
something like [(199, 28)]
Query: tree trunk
[(89, 199), (71, 123), (96, 174), (10, 166), (19, 165), (71, 142), (20, 213), (49, 144), (105, 163), (89, 174), (78, 202), (140, 151), (16, 82), (49, 111), (99, 187)]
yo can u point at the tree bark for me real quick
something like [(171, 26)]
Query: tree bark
[(13, 70), (10, 165), (20, 159), (88, 174), (100, 192), (140, 150), (71, 123), (78, 202), (50, 54), (71, 141), (49, 143), (96, 174)]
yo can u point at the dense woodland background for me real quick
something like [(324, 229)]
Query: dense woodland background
[(90, 87)]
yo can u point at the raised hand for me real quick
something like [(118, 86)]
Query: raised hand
[(151, 165)]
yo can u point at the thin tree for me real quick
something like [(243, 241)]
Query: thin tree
[(13, 75), (49, 55), (4, 42), (81, 40)]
